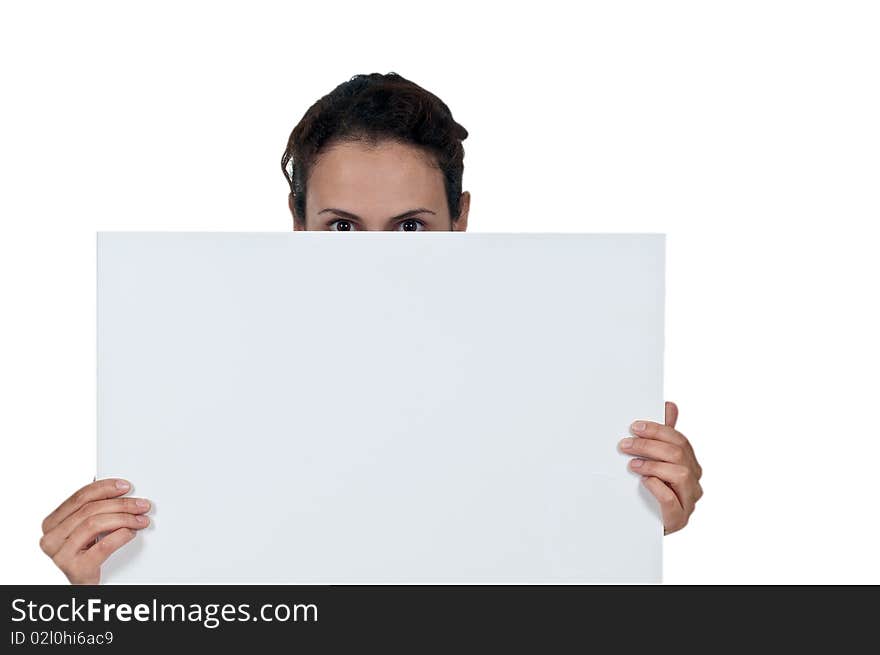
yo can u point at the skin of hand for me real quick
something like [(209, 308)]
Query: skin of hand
[(70, 533), (669, 469)]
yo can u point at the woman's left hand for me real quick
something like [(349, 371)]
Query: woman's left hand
[(669, 468)]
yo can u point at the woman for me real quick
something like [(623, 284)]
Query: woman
[(376, 153)]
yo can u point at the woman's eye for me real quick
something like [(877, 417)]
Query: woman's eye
[(411, 225), (341, 225)]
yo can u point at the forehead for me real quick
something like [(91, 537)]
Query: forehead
[(384, 177)]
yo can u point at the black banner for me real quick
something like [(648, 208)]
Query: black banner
[(416, 618)]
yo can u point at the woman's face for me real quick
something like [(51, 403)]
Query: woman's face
[(387, 186)]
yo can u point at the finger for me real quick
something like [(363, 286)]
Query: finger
[(53, 540), (671, 414), (87, 531), (674, 517), (99, 490), (653, 430), (680, 478), (653, 449), (104, 548)]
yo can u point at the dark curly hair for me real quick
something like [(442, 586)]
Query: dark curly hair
[(371, 108)]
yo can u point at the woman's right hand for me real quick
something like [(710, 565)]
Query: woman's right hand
[(70, 532)]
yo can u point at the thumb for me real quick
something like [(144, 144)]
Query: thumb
[(671, 414)]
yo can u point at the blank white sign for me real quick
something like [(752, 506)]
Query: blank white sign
[(330, 408)]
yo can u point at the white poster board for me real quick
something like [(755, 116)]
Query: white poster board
[(329, 408)]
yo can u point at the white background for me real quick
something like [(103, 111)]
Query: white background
[(746, 131)]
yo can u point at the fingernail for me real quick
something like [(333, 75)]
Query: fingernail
[(140, 518), (639, 427), (637, 463), (140, 502), (122, 484), (626, 443)]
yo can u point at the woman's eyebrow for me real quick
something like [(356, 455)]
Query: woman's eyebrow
[(339, 212), (411, 212)]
